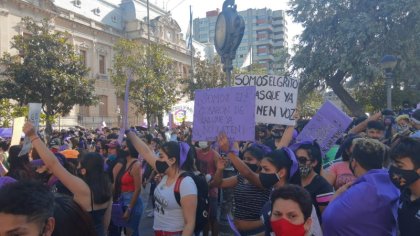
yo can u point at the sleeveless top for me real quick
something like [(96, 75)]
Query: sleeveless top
[(249, 200), (98, 218), (127, 181)]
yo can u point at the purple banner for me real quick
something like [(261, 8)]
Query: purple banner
[(125, 116), (230, 110), (328, 125)]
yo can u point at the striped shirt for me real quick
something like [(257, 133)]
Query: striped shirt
[(249, 200)]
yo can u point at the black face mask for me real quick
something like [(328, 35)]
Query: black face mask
[(402, 178), (253, 167), (268, 180), (277, 134), (161, 166)]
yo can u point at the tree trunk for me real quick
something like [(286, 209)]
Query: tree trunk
[(335, 83), (160, 120), (48, 127)]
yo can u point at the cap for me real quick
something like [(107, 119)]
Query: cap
[(70, 154)]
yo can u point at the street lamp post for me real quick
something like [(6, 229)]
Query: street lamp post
[(229, 31), (388, 63)]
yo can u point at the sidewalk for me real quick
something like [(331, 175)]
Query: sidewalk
[(146, 223)]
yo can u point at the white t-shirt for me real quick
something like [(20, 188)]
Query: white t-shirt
[(168, 213)]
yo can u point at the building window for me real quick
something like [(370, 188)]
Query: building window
[(103, 105), (78, 3), (83, 57), (101, 64)]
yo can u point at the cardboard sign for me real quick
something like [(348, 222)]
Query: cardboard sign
[(328, 125), (17, 130), (34, 114), (276, 97), (229, 110), (183, 112)]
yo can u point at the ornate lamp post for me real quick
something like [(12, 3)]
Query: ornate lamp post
[(388, 63), (229, 31)]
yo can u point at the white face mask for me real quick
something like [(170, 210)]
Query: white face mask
[(203, 144)]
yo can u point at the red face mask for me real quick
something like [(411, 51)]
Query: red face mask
[(283, 227)]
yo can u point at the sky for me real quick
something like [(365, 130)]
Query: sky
[(180, 10)]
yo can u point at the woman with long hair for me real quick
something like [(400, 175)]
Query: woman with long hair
[(127, 185), (19, 166), (91, 189), (175, 158)]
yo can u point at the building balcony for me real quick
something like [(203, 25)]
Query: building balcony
[(265, 26), (102, 76), (278, 22), (280, 43), (264, 57), (264, 41)]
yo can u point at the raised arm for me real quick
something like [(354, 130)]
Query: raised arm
[(287, 137), (143, 149), (218, 180), (243, 169), (362, 126), (75, 184)]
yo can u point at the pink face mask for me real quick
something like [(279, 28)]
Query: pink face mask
[(283, 227)]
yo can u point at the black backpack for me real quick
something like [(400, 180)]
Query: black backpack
[(202, 212)]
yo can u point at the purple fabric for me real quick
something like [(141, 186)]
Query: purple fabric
[(37, 163), (232, 226), (6, 180), (265, 149), (295, 165), (371, 203), (184, 148)]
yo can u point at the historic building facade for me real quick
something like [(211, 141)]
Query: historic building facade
[(95, 26)]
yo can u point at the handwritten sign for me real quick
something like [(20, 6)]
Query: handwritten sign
[(327, 126), (34, 114), (183, 112), (17, 130), (230, 110), (276, 97)]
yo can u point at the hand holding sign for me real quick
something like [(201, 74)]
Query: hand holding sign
[(29, 130)]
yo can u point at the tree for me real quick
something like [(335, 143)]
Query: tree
[(207, 74), (9, 111), (154, 88), (47, 70), (344, 41)]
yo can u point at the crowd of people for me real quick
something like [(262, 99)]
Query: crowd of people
[(86, 182)]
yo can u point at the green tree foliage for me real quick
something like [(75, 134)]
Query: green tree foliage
[(47, 70), (154, 88), (207, 74), (309, 106), (9, 111), (344, 41)]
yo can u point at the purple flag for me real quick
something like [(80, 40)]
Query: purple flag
[(232, 225), (125, 117), (229, 110), (328, 125)]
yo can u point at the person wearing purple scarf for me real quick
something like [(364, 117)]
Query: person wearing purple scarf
[(369, 205), (175, 158)]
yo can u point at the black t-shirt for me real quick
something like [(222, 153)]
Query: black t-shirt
[(409, 215), (319, 185)]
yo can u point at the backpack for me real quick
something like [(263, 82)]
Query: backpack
[(202, 212)]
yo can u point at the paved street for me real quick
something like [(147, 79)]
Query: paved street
[(146, 224)]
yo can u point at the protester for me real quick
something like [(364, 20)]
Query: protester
[(291, 211), (174, 158), (309, 156), (70, 218), (206, 163), (339, 173), (249, 199), (91, 190), (4, 154), (370, 202), (128, 183), (405, 175), (26, 208), (278, 168), (415, 122), (19, 166)]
